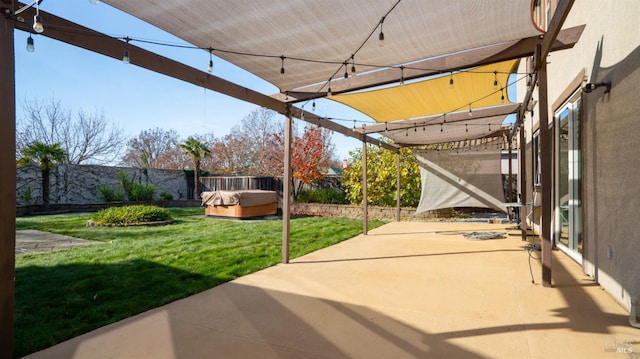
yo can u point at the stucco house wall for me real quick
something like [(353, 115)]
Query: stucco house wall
[(609, 50)]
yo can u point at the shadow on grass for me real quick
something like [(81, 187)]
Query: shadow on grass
[(55, 303)]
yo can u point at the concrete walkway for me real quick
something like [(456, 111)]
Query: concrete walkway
[(31, 240), (408, 290)]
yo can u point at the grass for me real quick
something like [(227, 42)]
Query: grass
[(65, 293)]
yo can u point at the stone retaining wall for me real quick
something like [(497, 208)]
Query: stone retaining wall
[(375, 212)]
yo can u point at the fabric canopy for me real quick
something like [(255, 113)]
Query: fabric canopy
[(467, 177), (312, 39), (480, 87)]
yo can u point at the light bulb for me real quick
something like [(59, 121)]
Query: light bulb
[(381, 39), (30, 46), (470, 112), (37, 24), (313, 106), (495, 80), (329, 94), (125, 57), (282, 67), (210, 69), (451, 83)]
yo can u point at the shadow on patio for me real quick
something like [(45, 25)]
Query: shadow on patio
[(406, 290)]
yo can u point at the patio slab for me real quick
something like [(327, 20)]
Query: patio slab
[(407, 290), (31, 240)]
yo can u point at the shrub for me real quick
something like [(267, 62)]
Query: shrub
[(164, 196), (122, 216), (140, 192), (325, 196), (108, 194)]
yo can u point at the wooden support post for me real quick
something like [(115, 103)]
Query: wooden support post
[(7, 181), (398, 186), (365, 209), (522, 172), (510, 183), (286, 187), (546, 169)]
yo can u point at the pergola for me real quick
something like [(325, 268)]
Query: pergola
[(324, 49)]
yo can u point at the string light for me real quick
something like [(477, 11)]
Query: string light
[(313, 106), (470, 111), (210, 69), (451, 80), (441, 127), (30, 46), (502, 95), (346, 74), (329, 94), (466, 127), (37, 21), (125, 55), (282, 67), (353, 65), (381, 35), (495, 80)]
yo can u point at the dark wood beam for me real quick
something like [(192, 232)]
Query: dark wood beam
[(546, 171), (546, 134), (565, 39), (450, 118), (7, 180), (555, 26)]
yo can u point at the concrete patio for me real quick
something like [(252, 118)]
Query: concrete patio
[(407, 290)]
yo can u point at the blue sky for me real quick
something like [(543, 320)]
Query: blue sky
[(134, 98)]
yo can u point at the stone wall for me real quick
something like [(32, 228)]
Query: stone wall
[(77, 184), (375, 212)]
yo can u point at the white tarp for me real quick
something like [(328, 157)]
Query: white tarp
[(467, 177)]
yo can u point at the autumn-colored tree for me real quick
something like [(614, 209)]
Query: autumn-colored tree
[(46, 157), (311, 155), (198, 149), (244, 149), (382, 178)]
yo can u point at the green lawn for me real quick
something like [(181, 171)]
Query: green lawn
[(65, 293)]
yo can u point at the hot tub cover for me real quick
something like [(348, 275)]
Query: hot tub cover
[(245, 198)]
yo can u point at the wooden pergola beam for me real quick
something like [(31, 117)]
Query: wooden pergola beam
[(565, 39), (546, 134)]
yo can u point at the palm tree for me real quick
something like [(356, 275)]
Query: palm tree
[(45, 156), (197, 149)]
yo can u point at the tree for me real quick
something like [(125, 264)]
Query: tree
[(244, 149), (381, 177), (45, 156), (198, 149), (155, 148), (311, 155), (85, 137)]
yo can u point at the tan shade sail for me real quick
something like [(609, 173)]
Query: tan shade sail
[(476, 88), (317, 37)]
